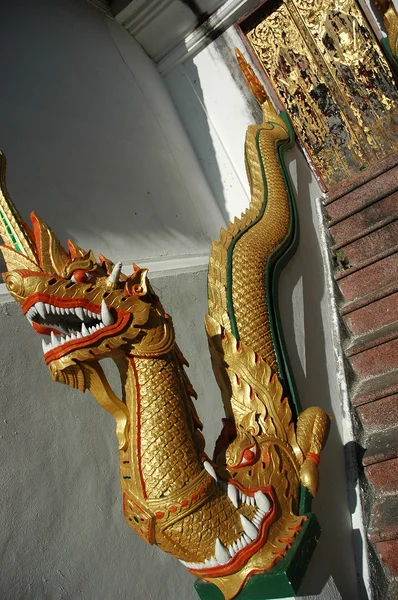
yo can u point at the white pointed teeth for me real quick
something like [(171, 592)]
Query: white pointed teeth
[(210, 469), (54, 341), (262, 501), (222, 554), (41, 309), (233, 495), (85, 331), (106, 316), (249, 528), (79, 312), (44, 346), (114, 276)]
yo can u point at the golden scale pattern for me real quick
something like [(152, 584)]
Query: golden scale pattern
[(168, 462), (251, 251)]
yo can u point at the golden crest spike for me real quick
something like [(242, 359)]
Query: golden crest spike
[(13, 229), (75, 250), (256, 87), (52, 255)]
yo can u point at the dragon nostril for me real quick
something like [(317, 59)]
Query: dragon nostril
[(52, 281)]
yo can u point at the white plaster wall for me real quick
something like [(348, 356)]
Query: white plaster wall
[(92, 139), (216, 108)]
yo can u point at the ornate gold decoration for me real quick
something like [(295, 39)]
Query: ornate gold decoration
[(236, 516), (329, 72), (390, 18)]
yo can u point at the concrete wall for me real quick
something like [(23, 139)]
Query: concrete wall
[(95, 145)]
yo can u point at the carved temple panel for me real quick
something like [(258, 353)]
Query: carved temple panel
[(330, 74)]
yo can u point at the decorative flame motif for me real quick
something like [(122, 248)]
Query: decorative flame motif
[(225, 519)]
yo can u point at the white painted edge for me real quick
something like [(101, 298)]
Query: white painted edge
[(203, 35), (168, 265), (357, 518)]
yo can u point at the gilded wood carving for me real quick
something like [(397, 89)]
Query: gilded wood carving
[(247, 510), (331, 75)]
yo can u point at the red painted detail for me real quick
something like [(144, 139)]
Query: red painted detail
[(81, 276), (159, 515), (172, 509), (184, 502), (238, 380), (195, 496), (273, 378), (223, 334), (110, 331), (243, 460), (251, 394), (287, 540), (314, 457), (243, 555), (61, 302), (28, 273), (284, 400), (202, 490), (239, 346), (36, 233), (248, 455), (266, 457), (138, 424)]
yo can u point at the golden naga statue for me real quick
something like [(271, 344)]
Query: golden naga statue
[(241, 521), (390, 19)]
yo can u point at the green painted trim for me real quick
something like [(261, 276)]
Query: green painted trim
[(231, 313), (284, 579), (385, 44)]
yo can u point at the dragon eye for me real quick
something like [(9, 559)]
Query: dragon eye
[(247, 457), (81, 276)]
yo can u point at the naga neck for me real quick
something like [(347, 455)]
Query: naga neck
[(156, 424)]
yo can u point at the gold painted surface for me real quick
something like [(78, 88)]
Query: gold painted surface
[(329, 72)]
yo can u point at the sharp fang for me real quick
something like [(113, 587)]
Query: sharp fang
[(233, 494), (222, 554), (44, 346), (114, 276), (54, 341), (213, 562), (240, 543), (106, 316), (41, 309), (210, 469), (249, 528), (262, 501), (85, 331), (80, 313)]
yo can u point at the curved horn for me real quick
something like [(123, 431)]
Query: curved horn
[(114, 276)]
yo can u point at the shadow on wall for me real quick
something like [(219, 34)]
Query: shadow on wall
[(92, 139), (305, 318)]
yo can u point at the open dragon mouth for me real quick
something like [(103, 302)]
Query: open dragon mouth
[(226, 560), (65, 323)]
